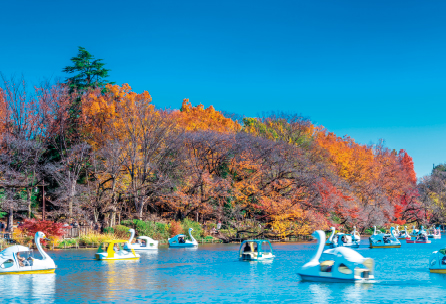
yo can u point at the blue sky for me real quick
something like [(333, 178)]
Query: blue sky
[(369, 69)]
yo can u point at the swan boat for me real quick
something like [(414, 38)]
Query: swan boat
[(256, 250), (384, 240), (19, 259), (437, 233), (179, 241), (434, 233), (414, 231), (402, 235), (143, 242), (437, 261), (420, 238), (356, 237), (340, 264), (343, 240), (114, 250)]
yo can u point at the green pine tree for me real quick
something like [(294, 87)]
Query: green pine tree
[(90, 72)]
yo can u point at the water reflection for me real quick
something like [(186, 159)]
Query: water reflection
[(213, 273), (320, 293), (40, 288), (43, 286)]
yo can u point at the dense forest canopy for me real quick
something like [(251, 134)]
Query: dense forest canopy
[(106, 153)]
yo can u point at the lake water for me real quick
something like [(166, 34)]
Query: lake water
[(213, 274)]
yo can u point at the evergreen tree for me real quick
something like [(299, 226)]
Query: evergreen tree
[(90, 72)]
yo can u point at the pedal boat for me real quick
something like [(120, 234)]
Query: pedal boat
[(252, 250), (340, 264), (420, 238), (434, 233), (9, 262), (113, 250), (414, 231), (343, 240), (356, 237), (179, 241), (437, 261), (403, 235), (384, 240), (437, 233), (143, 242)]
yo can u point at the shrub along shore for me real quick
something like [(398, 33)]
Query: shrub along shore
[(156, 230)]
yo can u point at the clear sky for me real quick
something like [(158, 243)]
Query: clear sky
[(369, 69)]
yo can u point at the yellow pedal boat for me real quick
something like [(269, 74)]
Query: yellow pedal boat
[(114, 250)]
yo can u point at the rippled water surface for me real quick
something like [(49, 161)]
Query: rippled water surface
[(213, 274)]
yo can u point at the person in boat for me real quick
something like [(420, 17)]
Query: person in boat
[(247, 248), (22, 261), (344, 239), (181, 240), (115, 248), (142, 243)]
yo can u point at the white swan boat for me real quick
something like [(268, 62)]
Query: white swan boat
[(402, 235), (142, 242), (343, 240), (356, 237), (339, 264), (179, 241), (437, 261), (114, 250), (384, 240), (19, 259), (434, 233), (420, 238), (256, 250), (437, 233)]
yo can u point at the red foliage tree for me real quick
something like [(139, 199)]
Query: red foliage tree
[(175, 228), (51, 229)]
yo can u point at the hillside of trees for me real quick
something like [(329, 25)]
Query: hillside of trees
[(104, 153)]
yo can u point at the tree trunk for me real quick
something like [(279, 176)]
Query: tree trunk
[(139, 205), (96, 215), (11, 220), (113, 219), (28, 200), (70, 208)]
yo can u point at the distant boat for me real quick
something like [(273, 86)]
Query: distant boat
[(144, 242), (256, 250), (179, 241), (384, 240), (114, 250), (421, 237)]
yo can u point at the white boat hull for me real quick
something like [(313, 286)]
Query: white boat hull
[(182, 245), (313, 278)]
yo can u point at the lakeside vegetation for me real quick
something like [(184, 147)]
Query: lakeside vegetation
[(103, 153)]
